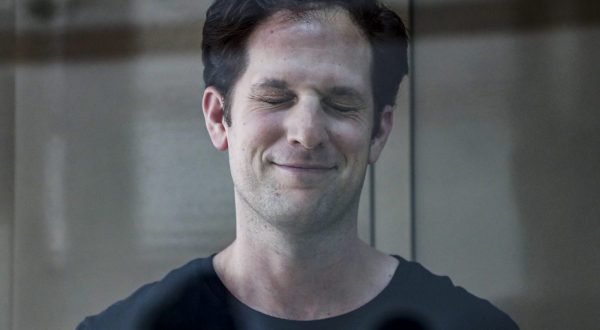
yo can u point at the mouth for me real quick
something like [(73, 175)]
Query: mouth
[(305, 167)]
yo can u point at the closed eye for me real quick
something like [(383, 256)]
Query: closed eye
[(343, 107), (275, 101), (272, 99)]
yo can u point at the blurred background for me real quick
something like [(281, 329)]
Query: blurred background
[(108, 179)]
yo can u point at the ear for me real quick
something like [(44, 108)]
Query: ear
[(386, 121), (213, 108)]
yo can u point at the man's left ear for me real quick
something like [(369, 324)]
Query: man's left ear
[(386, 121)]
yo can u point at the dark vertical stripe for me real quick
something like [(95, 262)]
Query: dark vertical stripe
[(372, 213), (8, 54), (412, 121), (8, 139)]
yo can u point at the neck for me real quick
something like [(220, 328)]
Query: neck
[(302, 274)]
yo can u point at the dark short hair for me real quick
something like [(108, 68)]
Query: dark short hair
[(229, 24)]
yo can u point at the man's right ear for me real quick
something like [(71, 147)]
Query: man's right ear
[(214, 116)]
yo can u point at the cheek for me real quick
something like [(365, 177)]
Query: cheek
[(352, 139), (257, 132)]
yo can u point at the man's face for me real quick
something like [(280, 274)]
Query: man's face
[(302, 115)]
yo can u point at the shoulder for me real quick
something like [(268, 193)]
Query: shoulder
[(170, 298), (444, 305)]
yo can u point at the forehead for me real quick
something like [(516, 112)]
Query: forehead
[(325, 25), (323, 43)]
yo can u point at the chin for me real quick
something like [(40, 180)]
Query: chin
[(302, 215)]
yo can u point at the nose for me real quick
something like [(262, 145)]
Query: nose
[(306, 124)]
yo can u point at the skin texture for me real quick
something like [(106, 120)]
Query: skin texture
[(299, 145)]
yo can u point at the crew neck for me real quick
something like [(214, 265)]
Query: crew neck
[(193, 296), (221, 292)]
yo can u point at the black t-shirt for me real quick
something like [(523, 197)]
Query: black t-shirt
[(193, 297)]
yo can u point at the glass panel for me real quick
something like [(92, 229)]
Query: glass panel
[(506, 154), (117, 182)]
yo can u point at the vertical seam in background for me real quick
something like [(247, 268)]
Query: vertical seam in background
[(372, 213), (411, 114), (13, 225)]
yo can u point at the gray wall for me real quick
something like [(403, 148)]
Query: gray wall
[(116, 180), (507, 160)]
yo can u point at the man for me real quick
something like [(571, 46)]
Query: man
[(300, 94)]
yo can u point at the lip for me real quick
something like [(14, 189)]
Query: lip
[(308, 167)]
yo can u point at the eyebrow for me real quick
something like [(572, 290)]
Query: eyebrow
[(271, 83), (343, 91)]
